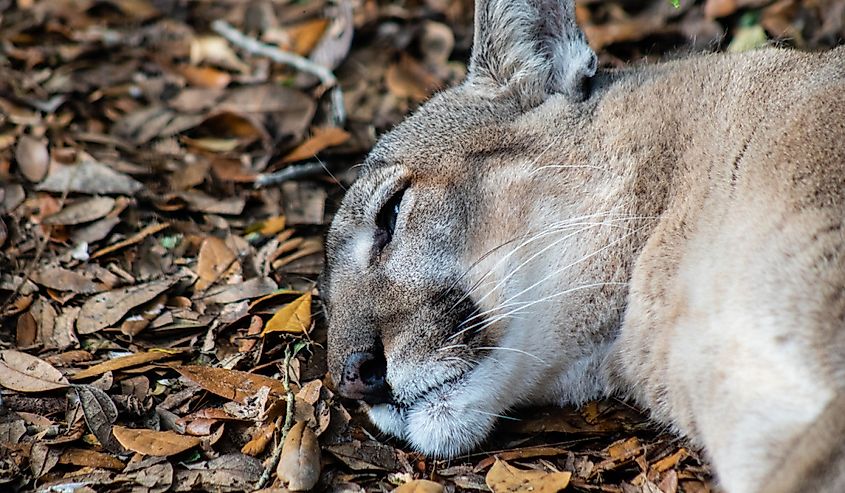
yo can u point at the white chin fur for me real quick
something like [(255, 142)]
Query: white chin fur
[(439, 428), (389, 419), (450, 420), (439, 425)]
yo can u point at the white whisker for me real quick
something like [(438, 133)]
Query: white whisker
[(520, 351)]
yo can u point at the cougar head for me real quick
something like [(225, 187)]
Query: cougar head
[(445, 259)]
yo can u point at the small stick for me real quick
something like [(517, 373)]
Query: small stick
[(292, 172), (277, 451), (252, 45)]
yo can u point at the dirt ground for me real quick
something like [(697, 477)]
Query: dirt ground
[(168, 169)]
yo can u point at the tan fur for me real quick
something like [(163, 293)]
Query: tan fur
[(673, 233)]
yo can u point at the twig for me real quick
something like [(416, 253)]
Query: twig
[(292, 172), (277, 451), (302, 64)]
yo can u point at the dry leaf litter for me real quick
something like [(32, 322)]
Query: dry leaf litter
[(167, 172)]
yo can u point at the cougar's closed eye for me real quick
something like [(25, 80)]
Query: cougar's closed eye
[(386, 220)]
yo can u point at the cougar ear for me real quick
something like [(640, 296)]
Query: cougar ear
[(531, 46)]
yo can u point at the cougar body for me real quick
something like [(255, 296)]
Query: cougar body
[(549, 233)]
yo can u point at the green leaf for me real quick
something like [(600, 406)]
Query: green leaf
[(676, 3)]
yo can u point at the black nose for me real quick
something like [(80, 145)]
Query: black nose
[(364, 378)]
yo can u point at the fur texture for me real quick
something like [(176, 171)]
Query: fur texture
[(672, 233)]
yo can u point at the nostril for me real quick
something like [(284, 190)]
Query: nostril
[(364, 377), (373, 372)]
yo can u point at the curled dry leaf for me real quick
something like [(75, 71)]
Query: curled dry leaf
[(61, 279), (82, 212), (504, 478), (33, 158), (321, 139), (136, 238), (299, 465), (230, 472), (157, 443), (272, 225), (106, 309), (216, 50), (206, 77), (99, 412), (230, 384), (420, 486), (294, 318), (215, 258), (26, 373), (254, 288), (123, 362), (42, 459), (89, 177), (90, 458), (258, 443)]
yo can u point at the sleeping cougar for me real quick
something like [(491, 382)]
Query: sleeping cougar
[(552, 233)]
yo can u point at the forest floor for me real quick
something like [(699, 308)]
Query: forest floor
[(165, 185)]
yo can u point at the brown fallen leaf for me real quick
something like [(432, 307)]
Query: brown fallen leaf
[(245, 344), (504, 478), (719, 8), (123, 362), (206, 77), (216, 50), (215, 258), (90, 458), (670, 461), (420, 486), (157, 443), (82, 212), (304, 36), (42, 459), (95, 231), (259, 441), (299, 465), (272, 225), (230, 384), (65, 280), (106, 309), (369, 455), (254, 288), (26, 330), (624, 449), (100, 413), (322, 138), (11, 432), (68, 358), (26, 373), (522, 453), (33, 158), (136, 238), (88, 177), (293, 318), (230, 472), (199, 201)]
